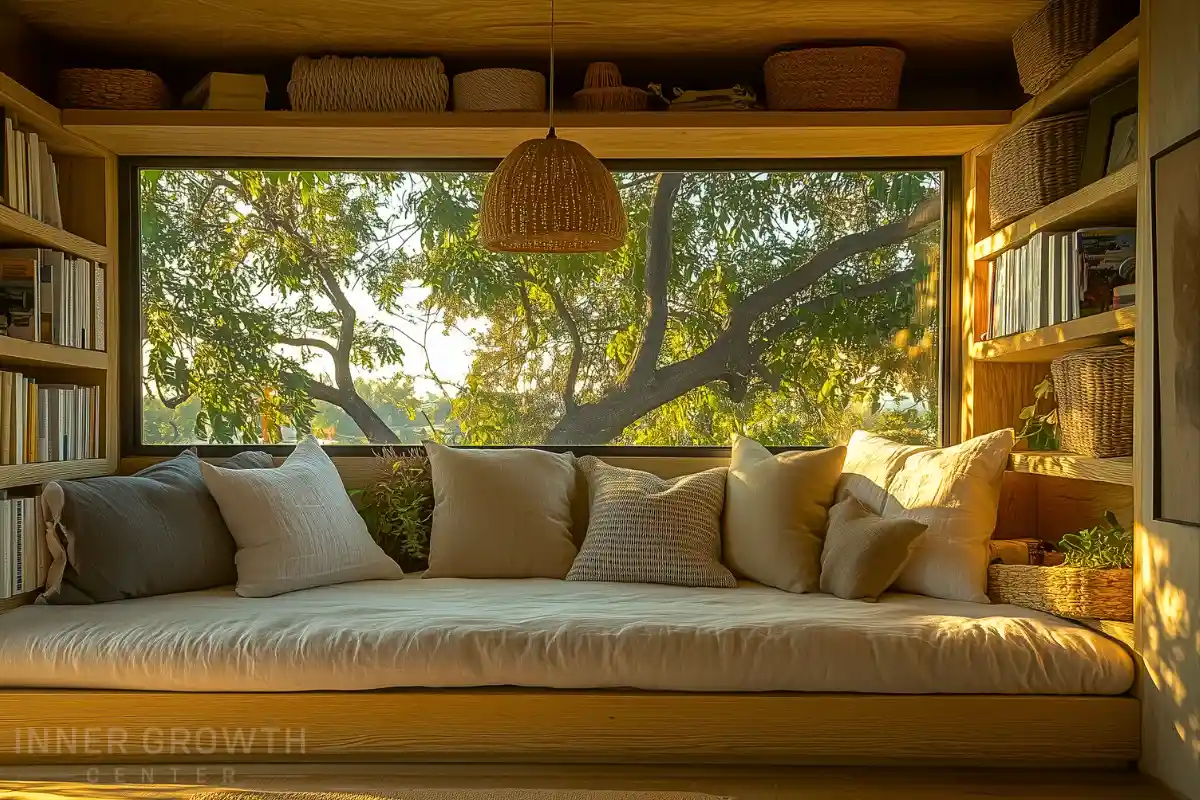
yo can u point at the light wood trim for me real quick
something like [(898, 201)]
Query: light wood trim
[(16, 601), (765, 134), (1114, 59), (1070, 465), (21, 229), (35, 114), (592, 726), (1047, 344), (1112, 200), (42, 354), (31, 474)]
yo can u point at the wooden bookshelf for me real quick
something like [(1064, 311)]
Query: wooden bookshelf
[(16, 601), (35, 114), (639, 134), (1115, 59), (1112, 200), (42, 354), (32, 474), (1069, 465), (1047, 344), (22, 230)]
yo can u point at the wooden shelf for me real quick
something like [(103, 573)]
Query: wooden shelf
[(1116, 58), (17, 229), (30, 474), (16, 601), (1047, 344), (32, 113), (42, 354), (1112, 200), (696, 134), (1069, 465)]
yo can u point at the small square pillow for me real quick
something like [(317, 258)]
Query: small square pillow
[(500, 513), (295, 526), (864, 552), (125, 536), (644, 529), (955, 492), (775, 512)]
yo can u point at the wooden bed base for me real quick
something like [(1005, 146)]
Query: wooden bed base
[(112, 727)]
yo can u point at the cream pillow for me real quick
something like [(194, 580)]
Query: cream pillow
[(500, 513), (954, 492), (864, 552), (295, 526), (775, 512), (871, 464), (647, 529)]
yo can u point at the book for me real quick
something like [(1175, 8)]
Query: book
[(51, 204), (6, 559), (8, 176), (1125, 295), (1105, 259), (98, 310), (16, 512), (33, 172)]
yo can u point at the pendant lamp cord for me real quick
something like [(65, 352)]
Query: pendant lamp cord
[(550, 135)]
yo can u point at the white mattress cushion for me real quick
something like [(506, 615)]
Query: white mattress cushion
[(550, 633)]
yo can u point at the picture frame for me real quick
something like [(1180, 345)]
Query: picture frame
[(1112, 132)]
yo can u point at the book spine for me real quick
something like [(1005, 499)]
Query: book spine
[(5, 550), (99, 340), (18, 539)]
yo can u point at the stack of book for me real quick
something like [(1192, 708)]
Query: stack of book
[(1057, 277), (28, 175), (24, 558), (43, 421), (63, 293)]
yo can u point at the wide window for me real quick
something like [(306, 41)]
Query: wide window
[(791, 306)]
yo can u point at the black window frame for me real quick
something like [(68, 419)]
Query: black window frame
[(129, 283)]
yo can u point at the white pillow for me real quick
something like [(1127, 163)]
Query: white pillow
[(295, 526), (871, 464), (954, 492)]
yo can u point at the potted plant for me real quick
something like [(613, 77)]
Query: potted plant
[(397, 506), (1095, 580)]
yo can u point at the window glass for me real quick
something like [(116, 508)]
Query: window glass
[(793, 307)]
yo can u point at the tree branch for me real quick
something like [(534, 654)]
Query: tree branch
[(657, 274), (527, 306), (743, 315), (304, 341), (801, 313), (576, 345)]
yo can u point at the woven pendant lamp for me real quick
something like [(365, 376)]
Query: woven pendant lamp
[(552, 196)]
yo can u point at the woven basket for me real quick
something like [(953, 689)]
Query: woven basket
[(603, 91), (1094, 390), (1064, 591), (1054, 39), (123, 89), (500, 90), (332, 83), (1036, 165), (834, 78)]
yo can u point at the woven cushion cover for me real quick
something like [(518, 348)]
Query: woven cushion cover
[(644, 529), (156, 532)]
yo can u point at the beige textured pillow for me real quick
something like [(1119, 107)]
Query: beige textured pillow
[(871, 464), (955, 492), (775, 512), (644, 529), (500, 513), (295, 526), (863, 551)]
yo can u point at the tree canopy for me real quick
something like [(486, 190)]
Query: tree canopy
[(790, 306)]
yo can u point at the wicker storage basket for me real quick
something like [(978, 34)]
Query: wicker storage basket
[(124, 89), (500, 90), (332, 83), (833, 78), (1094, 390), (1036, 165), (1050, 42), (1064, 591)]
